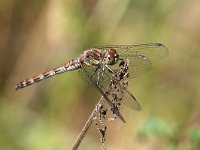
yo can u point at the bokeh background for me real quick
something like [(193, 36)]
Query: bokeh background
[(36, 36)]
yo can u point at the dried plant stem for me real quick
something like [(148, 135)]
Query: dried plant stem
[(92, 116), (88, 123)]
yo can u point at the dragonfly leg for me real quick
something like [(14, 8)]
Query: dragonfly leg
[(98, 74), (98, 77), (103, 71), (109, 69)]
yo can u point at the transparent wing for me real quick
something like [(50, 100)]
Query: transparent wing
[(153, 51), (138, 64), (130, 101), (141, 56), (89, 74)]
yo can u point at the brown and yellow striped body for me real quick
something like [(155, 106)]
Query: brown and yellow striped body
[(71, 65)]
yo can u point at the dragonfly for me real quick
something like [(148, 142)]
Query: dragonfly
[(97, 65)]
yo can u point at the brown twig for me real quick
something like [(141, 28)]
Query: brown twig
[(88, 123)]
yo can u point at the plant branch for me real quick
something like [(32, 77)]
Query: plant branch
[(88, 123)]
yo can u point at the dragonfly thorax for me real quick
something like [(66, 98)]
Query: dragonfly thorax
[(98, 57), (111, 57)]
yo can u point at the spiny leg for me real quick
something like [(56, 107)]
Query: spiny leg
[(109, 69), (98, 76), (103, 70)]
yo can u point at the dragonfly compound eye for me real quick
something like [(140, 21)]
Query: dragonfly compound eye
[(112, 57)]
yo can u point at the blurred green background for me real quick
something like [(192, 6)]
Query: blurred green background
[(36, 36)]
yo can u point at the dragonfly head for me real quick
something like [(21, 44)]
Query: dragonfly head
[(111, 57)]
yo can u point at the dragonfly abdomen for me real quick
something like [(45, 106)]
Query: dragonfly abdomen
[(71, 65)]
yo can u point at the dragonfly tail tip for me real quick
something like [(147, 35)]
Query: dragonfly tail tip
[(17, 87)]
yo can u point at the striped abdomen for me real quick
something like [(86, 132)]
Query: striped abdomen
[(71, 65)]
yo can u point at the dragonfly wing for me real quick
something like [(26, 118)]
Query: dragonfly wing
[(90, 75), (153, 51), (130, 101), (138, 64), (140, 56)]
